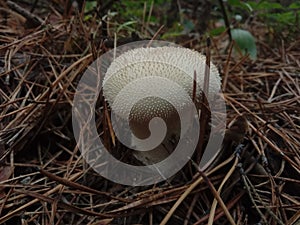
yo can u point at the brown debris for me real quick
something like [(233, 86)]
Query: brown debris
[(43, 178)]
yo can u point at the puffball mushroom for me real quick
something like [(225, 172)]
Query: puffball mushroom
[(147, 68)]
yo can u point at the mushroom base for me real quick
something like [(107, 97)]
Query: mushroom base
[(164, 149)]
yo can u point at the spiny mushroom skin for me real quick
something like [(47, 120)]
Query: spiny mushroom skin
[(173, 63)]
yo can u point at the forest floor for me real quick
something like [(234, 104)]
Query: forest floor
[(43, 178)]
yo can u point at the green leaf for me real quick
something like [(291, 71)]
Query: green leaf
[(248, 6), (234, 2), (265, 5), (127, 25), (242, 5), (89, 5), (245, 41), (217, 31), (188, 26), (295, 5)]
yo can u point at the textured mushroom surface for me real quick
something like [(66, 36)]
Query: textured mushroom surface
[(173, 63)]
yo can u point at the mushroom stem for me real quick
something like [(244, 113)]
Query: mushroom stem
[(165, 148)]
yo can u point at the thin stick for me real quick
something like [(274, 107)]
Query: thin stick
[(155, 35), (190, 189), (217, 196), (205, 112), (226, 68), (194, 87), (34, 19), (226, 20), (207, 68), (214, 204)]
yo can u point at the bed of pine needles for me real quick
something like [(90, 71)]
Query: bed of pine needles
[(43, 178)]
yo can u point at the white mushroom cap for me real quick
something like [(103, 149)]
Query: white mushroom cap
[(173, 63)]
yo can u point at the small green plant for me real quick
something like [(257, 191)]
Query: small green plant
[(137, 13), (275, 15), (280, 19), (125, 15), (245, 42)]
